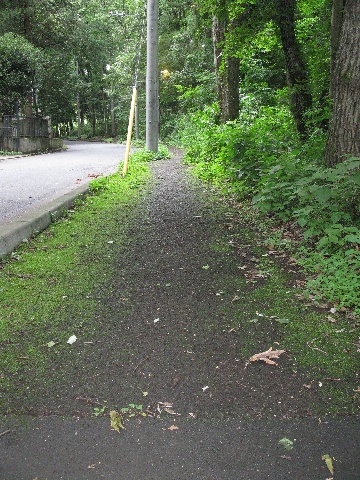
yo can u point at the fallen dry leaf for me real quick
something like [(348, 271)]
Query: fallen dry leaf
[(267, 356), (116, 420), (173, 427)]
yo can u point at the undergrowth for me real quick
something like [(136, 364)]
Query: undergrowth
[(259, 157), (144, 155)]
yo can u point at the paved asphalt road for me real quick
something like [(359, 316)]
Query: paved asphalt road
[(27, 182), (51, 448)]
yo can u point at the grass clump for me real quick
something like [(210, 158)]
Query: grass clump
[(144, 155)]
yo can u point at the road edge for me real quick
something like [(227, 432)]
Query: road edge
[(13, 233)]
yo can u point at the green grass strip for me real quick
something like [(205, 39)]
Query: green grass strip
[(47, 285)]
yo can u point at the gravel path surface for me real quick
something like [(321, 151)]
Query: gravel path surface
[(170, 341)]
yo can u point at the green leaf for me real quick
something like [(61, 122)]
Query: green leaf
[(329, 464), (286, 443), (356, 178), (283, 321), (302, 221), (322, 194), (352, 238)]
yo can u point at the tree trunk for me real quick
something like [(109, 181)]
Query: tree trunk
[(227, 74), (344, 132), (336, 24), (27, 25), (112, 112), (93, 120), (296, 72)]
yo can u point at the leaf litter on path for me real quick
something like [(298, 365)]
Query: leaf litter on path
[(267, 356), (116, 421), (286, 443), (329, 463)]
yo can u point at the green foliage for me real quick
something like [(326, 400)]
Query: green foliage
[(98, 411), (240, 151), (56, 86), (143, 155), (186, 55), (99, 184), (323, 200), (133, 410), (260, 156), (17, 70), (313, 27), (336, 277), (325, 203)]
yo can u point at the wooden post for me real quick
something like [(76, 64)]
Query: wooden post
[(130, 128)]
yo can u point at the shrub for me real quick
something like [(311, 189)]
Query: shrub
[(240, 151)]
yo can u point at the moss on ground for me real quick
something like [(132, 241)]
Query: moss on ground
[(47, 285)]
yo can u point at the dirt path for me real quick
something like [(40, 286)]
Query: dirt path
[(187, 336), (176, 319), (176, 324)]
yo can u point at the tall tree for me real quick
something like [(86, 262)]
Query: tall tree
[(296, 71), (344, 133), (227, 70), (337, 15)]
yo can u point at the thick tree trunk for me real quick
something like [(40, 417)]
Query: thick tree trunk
[(344, 132), (231, 94), (227, 74), (296, 72), (336, 24)]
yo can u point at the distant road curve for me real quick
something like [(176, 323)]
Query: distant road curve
[(28, 182)]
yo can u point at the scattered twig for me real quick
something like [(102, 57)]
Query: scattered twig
[(89, 401), (4, 433), (138, 365), (152, 414), (315, 348)]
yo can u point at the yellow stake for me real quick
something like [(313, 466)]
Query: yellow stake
[(130, 128)]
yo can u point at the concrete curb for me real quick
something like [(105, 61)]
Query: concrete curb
[(16, 231)]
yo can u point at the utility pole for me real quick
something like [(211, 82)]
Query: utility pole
[(152, 77), (78, 101)]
